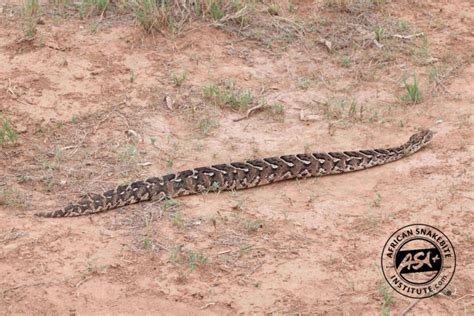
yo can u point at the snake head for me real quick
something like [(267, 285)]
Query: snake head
[(421, 138)]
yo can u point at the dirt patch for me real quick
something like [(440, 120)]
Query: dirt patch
[(97, 102)]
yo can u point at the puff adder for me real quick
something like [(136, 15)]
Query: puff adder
[(241, 175)]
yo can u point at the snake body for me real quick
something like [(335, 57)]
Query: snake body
[(241, 175)]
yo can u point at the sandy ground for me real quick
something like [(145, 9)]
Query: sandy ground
[(88, 102)]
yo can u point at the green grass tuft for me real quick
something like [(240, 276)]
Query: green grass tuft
[(413, 93), (7, 132), (30, 13)]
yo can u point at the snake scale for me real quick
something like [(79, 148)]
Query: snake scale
[(241, 175)]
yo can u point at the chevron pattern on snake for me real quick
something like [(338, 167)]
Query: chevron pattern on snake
[(241, 175)]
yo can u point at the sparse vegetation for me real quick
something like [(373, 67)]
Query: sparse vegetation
[(292, 7), (228, 96), (196, 259), (253, 225), (303, 83), (206, 125), (148, 15), (193, 259), (170, 204), (413, 93), (277, 108), (216, 10), (433, 74), (173, 14), (7, 132), (89, 7), (274, 9), (379, 33), (352, 6), (377, 200), (387, 299), (343, 110), (30, 14), (129, 154), (177, 220), (12, 198), (178, 79), (332, 89), (346, 62)]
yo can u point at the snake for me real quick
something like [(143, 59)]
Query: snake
[(240, 175)]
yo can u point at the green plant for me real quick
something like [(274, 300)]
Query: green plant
[(210, 91), (387, 297), (169, 204), (379, 33), (146, 12), (129, 154), (176, 255), (60, 4), (303, 83), (240, 100), (147, 243), (98, 6), (253, 225), (278, 108), (178, 79), (196, 259), (274, 9), (74, 119), (226, 95), (216, 10), (377, 201), (413, 93), (12, 197), (206, 125), (213, 220), (403, 25), (433, 74), (7, 132), (178, 220), (291, 7), (344, 110), (346, 62), (30, 13)]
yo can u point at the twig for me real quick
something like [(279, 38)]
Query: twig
[(249, 112), (207, 305), (407, 37), (254, 269), (378, 44), (61, 49), (234, 16), (82, 281), (407, 309), (9, 89), (463, 297), (144, 164), (69, 147), (297, 27), (98, 124), (161, 246)]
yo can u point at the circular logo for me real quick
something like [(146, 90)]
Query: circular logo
[(418, 261)]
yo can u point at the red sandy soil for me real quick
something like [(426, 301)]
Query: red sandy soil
[(88, 104)]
